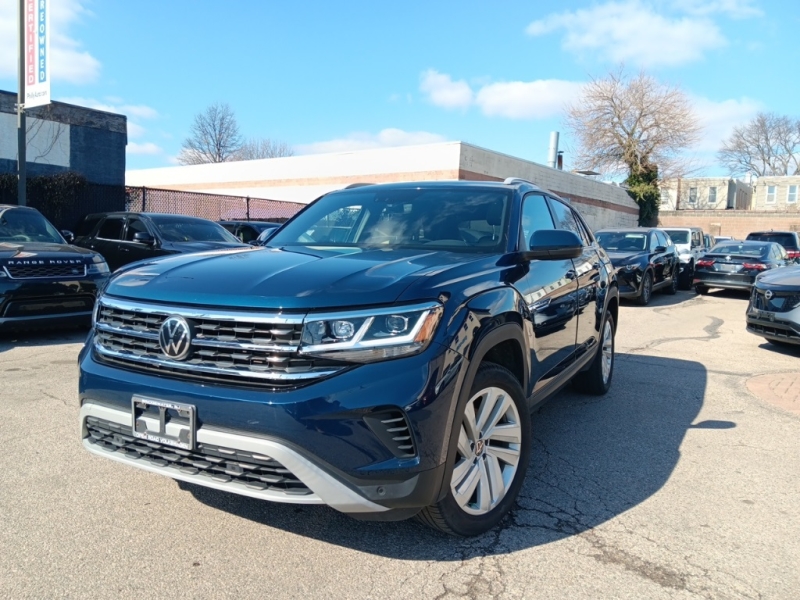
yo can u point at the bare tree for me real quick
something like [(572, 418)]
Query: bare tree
[(632, 124), (254, 149), (768, 145), (214, 137)]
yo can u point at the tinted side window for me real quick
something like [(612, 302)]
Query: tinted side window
[(564, 218), (586, 233), (111, 229), (535, 216), (697, 241), (134, 226), (86, 226), (663, 239)]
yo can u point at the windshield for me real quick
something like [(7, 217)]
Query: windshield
[(456, 219), (678, 236), (176, 229), (21, 225), (741, 249), (619, 241)]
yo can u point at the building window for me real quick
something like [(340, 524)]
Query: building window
[(791, 196), (712, 195), (770, 194), (664, 197), (692, 195)]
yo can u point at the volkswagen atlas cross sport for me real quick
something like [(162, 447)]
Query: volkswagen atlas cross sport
[(381, 355)]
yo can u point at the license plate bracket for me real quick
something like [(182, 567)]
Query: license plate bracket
[(165, 422)]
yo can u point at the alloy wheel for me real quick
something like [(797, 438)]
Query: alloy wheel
[(489, 444), (607, 350)]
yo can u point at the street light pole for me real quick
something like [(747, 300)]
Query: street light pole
[(21, 137)]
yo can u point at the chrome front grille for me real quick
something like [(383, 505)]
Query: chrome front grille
[(225, 465), (231, 346), (45, 271)]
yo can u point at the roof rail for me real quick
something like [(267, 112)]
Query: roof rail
[(508, 180), (357, 185)]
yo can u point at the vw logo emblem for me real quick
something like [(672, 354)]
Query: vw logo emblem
[(768, 294), (175, 338)]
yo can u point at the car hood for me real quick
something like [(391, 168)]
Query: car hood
[(784, 277), (297, 279), (38, 251), (619, 259), (200, 246)]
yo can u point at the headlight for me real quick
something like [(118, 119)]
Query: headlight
[(370, 335), (98, 267), (631, 267)]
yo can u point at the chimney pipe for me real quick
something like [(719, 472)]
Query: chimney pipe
[(553, 152)]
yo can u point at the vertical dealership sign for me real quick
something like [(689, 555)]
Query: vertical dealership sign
[(37, 52)]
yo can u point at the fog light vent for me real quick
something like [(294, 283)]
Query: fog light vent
[(391, 428)]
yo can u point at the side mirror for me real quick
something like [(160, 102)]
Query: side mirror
[(143, 237), (553, 244), (660, 249), (68, 235)]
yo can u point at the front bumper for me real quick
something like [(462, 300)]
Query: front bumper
[(42, 303), (630, 283), (779, 326), (321, 432)]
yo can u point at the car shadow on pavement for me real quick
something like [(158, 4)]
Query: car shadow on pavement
[(43, 337), (593, 459), (661, 300)]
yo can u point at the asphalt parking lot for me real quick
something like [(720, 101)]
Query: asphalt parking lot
[(682, 482)]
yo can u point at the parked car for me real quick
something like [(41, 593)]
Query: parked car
[(709, 241), (790, 240), (126, 237), (43, 280), (735, 265), (723, 238), (646, 260), (774, 309), (265, 236), (383, 356), (249, 231), (689, 243)]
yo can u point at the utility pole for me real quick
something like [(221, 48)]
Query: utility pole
[(21, 134)]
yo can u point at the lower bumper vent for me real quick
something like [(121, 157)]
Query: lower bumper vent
[(391, 428), (224, 465)]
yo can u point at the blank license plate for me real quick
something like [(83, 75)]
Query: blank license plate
[(164, 422)]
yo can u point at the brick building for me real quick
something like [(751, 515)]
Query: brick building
[(705, 193), (778, 194)]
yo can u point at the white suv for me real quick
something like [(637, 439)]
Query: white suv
[(689, 241)]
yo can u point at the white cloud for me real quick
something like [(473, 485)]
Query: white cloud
[(539, 99), (386, 138), (146, 148), (135, 131), (114, 105), (69, 62), (443, 91), (632, 32), (719, 119), (737, 9)]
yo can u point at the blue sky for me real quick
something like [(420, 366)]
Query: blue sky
[(333, 76)]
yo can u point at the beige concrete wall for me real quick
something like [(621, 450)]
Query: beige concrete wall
[(602, 204), (702, 187), (304, 178), (734, 223), (780, 199)]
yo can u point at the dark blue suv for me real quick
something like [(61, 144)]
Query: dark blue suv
[(381, 355)]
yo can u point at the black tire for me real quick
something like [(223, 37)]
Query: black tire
[(701, 289), (643, 299), (673, 287), (448, 515), (596, 380), (685, 279)]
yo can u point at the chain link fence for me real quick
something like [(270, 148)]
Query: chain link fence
[(95, 198)]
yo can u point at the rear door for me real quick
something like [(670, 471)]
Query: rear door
[(107, 239)]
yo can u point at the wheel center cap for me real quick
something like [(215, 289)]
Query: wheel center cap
[(478, 447)]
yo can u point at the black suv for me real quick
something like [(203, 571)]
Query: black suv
[(790, 240), (43, 280), (382, 355), (125, 237)]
